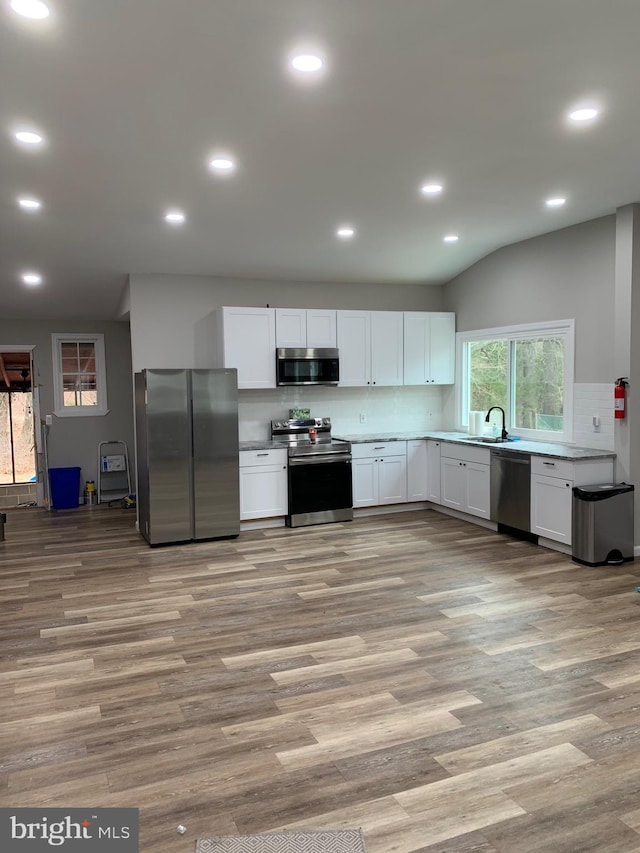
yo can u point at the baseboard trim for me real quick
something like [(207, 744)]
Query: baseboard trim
[(463, 516), (262, 523), (388, 509)]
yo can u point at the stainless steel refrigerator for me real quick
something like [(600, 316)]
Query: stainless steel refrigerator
[(187, 455)]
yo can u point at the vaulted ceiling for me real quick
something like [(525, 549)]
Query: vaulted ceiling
[(134, 99)]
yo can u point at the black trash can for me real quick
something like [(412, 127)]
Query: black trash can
[(602, 524)]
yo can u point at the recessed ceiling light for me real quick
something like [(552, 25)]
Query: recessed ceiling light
[(28, 137), (345, 232), (222, 164), (431, 189), (307, 63), (175, 217), (32, 278), (555, 202), (451, 238), (583, 114), (30, 8), (29, 203)]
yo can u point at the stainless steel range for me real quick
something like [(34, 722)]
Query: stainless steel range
[(320, 488)]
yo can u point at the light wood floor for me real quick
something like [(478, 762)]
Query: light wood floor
[(445, 688)]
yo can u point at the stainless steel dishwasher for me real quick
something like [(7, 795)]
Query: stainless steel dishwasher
[(511, 489)]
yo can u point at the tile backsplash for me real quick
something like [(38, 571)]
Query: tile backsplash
[(593, 399), (399, 408), (403, 408)]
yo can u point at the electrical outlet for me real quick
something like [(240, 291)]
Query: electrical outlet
[(48, 419), (596, 423), (363, 417)]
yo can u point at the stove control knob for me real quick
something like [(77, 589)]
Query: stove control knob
[(278, 425)]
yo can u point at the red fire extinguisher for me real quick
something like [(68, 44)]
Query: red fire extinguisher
[(619, 396)]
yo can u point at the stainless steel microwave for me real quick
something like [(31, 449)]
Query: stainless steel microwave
[(307, 367)]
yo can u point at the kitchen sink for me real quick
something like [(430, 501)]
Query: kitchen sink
[(485, 439)]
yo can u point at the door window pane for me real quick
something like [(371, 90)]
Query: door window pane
[(23, 437), (17, 454), (6, 465)]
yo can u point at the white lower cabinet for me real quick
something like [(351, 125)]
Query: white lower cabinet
[(379, 471), (417, 469), (466, 479), (552, 482), (263, 484), (434, 488), (551, 507)]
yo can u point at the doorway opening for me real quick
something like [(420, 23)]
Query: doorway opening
[(18, 460)]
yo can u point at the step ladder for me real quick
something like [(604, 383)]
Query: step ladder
[(114, 474)]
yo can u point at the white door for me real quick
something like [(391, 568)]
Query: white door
[(443, 348), (354, 343), (478, 489), (417, 470), (249, 344), (551, 508), (365, 481), (321, 329), (454, 483), (392, 480), (386, 348), (416, 347), (434, 490), (291, 327), (263, 491)]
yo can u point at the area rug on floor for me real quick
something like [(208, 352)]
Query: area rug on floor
[(321, 841)]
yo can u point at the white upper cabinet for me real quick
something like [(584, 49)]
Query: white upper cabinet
[(302, 328), (291, 327), (370, 344), (354, 344), (429, 348), (246, 340), (321, 328), (386, 348)]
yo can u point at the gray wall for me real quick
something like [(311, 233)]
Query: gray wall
[(567, 274), (74, 441), (180, 309)]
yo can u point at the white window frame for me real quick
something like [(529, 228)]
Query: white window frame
[(62, 411), (526, 331)]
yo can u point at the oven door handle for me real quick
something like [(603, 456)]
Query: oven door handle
[(319, 458)]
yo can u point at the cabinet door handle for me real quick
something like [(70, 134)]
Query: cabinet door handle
[(262, 454), (379, 448), (550, 464)]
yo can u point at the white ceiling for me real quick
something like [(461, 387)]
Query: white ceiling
[(134, 96)]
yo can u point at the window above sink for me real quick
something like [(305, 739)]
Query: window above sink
[(527, 370)]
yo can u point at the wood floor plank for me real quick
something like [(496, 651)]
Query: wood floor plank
[(442, 686)]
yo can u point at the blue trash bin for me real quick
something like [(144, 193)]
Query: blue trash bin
[(65, 487)]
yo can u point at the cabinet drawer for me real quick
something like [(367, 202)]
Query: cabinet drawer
[(262, 457), (378, 448), (547, 467), (466, 453)]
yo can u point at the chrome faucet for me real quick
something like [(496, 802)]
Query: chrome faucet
[(504, 433)]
